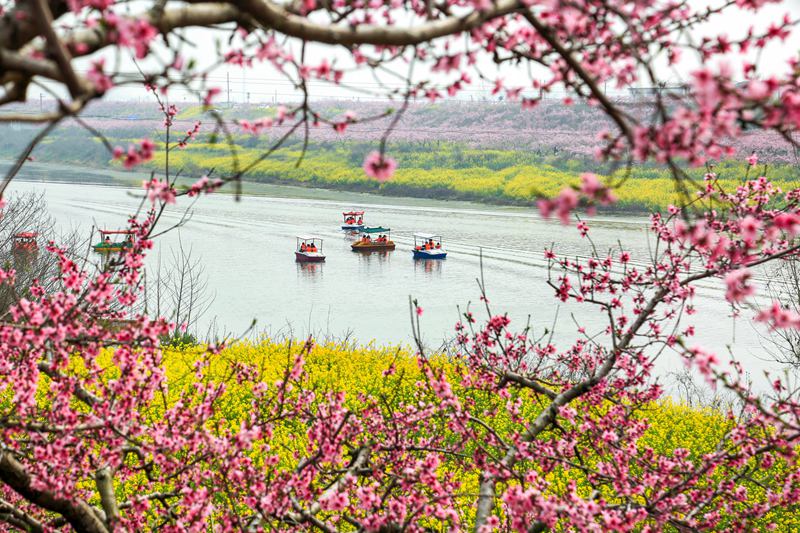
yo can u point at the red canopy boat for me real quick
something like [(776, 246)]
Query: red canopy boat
[(353, 220)]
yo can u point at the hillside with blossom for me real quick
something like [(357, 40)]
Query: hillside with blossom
[(551, 126), (496, 152)]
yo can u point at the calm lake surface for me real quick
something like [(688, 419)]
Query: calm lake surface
[(247, 248)]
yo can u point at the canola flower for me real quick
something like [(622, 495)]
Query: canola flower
[(451, 171), (392, 373)]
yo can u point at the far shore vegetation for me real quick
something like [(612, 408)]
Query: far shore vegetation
[(485, 170)]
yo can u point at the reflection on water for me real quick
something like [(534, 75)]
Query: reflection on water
[(309, 271), (429, 266), (376, 257)]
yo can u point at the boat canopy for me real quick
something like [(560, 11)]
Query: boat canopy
[(26, 235), (352, 213), (308, 238), (117, 232), (376, 229), (427, 236)]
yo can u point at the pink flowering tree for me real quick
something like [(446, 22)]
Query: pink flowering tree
[(96, 438)]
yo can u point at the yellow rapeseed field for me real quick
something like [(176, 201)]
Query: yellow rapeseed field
[(356, 370), (452, 172)]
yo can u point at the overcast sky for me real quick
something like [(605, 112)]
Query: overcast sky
[(263, 83)]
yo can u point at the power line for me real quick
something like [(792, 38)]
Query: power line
[(343, 87)]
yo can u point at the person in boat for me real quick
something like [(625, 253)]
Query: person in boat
[(438, 246), (360, 221), (311, 248), (303, 247), (107, 241)]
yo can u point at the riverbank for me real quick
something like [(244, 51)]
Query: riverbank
[(355, 191), (45, 172), (505, 179)]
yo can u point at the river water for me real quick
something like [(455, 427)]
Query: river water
[(247, 249)]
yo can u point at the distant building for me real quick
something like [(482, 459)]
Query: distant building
[(647, 93)]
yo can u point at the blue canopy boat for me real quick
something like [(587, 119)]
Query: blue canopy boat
[(428, 246)]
